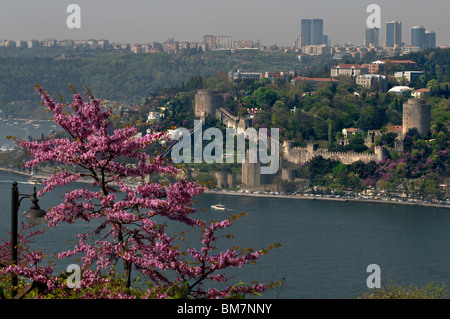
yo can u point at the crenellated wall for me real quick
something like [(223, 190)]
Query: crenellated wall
[(302, 155)]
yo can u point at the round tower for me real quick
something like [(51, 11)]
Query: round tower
[(416, 114), (207, 102)]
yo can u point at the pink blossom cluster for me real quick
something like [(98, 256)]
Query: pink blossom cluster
[(128, 231)]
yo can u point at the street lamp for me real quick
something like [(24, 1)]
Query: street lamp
[(34, 216)]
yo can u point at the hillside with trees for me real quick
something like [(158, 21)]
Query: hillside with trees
[(167, 84)]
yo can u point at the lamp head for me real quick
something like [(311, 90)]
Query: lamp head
[(35, 214)]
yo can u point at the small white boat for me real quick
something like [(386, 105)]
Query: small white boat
[(219, 207), (35, 181)]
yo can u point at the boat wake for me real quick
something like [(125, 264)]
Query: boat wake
[(19, 182)]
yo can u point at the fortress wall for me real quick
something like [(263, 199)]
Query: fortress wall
[(349, 157), (298, 155), (227, 118)]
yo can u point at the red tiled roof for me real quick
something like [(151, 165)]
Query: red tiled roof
[(302, 78), (394, 128)]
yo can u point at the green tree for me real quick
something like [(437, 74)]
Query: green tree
[(264, 96)]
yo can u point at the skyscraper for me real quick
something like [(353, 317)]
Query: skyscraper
[(371, 37), (317, 32), (430, 39), (393, 33), (418, 36), (306, 32)]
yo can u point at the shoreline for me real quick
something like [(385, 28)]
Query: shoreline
[(280, 196), (343, 200)]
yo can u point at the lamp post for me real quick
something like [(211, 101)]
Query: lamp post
[(34, 216)]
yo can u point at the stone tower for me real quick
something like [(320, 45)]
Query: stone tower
[(416, 114), (251, 173), (207, 102)]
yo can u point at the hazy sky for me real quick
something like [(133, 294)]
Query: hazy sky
[(270, 21)]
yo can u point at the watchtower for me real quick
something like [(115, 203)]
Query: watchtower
[(207, 102), (416, 114)]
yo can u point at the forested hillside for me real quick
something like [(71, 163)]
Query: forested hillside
[(119, 75)]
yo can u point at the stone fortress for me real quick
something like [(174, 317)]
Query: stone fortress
[(207, 102), (210, 102), (416, 115)]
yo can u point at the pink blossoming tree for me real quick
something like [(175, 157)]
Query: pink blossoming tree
[(128, 231)]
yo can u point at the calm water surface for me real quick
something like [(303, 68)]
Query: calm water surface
[(326, 246)]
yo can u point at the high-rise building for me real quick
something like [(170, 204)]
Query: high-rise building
[(393, 33), (430, 39), (210, 40), (312, 32), (418, 36), (224, 41), (306, 32), (317, 31), (371, 37)]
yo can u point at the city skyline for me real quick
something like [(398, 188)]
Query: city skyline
[(270, 23)]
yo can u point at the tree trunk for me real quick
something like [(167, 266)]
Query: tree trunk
[(127, 265), (127, 269)]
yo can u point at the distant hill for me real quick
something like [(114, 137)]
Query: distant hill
[(118, 75)]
